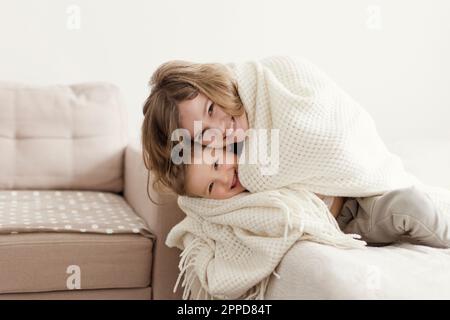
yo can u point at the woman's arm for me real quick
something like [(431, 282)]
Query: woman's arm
[(336, 206)]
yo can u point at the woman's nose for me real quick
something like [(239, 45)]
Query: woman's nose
[(215, 137), (218, 128), (222, 127)]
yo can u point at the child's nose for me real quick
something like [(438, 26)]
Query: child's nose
[(225, 178)]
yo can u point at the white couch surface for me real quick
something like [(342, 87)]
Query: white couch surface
[(401, 271)]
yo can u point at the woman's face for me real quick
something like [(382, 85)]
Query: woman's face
[(217, 127)]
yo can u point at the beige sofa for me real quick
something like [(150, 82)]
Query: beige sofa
[(66, 158)]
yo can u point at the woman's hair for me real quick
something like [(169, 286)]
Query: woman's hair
[(172, 83)]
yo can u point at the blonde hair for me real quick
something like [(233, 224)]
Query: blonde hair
[(172, 83)]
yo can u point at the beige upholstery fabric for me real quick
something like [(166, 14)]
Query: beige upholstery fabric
[(160, 219), (109, 294), (67, 211), (62, 137), (40, 262)]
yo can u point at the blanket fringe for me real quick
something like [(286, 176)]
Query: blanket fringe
[(258, 291), (187, 260), (318, 231), (187, 270)]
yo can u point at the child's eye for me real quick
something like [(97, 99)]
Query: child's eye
[(216, 165), (210, 187), (211, 108)]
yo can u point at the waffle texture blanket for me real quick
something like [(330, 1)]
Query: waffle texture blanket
[(327, 144)]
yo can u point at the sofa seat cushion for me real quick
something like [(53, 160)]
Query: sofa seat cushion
[(67, 211), (45, 262)]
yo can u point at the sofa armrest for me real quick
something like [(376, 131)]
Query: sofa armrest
[(159, 218)]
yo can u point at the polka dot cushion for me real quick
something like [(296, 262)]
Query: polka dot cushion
[(67, 211)]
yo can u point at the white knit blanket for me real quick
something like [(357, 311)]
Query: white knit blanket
[(328, 144)]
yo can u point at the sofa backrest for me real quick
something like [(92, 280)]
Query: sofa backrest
[(62, 137)]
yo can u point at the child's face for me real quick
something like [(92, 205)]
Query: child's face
[(215, 176)]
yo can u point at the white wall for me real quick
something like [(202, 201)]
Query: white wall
[(392, 56)]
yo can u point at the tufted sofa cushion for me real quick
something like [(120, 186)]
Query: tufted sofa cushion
[(62, 137)]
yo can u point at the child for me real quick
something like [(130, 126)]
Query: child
[(406, 214)]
